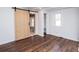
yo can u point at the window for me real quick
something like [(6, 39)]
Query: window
[(58, 19)]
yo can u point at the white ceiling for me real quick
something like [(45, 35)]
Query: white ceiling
[(43, 8)]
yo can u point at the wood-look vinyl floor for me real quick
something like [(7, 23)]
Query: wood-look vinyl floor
[(36, 43)]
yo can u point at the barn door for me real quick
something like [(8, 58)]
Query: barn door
[(22, 24)]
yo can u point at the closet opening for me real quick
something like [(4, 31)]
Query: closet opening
[(32, 23)]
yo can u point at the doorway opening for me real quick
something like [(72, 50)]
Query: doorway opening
[(32, 23), (45, 24)]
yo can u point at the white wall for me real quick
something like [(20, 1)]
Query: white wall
[(7, 31), (36, 23), (69, 27), (48, 22), (78, 22), (40, 22)]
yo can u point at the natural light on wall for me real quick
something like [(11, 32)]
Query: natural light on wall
[(58, 19)]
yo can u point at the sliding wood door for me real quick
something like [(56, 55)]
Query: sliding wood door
[(22, 24)]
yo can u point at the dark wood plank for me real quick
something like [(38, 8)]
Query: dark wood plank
[(48, 43)]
